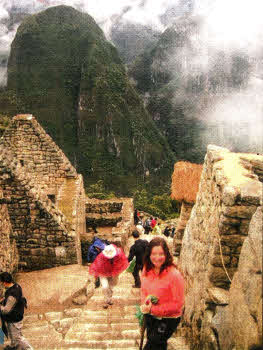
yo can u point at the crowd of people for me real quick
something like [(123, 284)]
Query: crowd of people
[(150, 225), (154, 273), (159, 279)]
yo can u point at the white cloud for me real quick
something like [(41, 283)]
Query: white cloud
[(235, 23)]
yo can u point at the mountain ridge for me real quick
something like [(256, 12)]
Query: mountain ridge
[(72, 80)]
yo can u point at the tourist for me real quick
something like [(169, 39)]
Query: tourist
[(108, 265), (157, 230), (136, 217), (160, 278), (147, 226), (139, 228), (172, 231), (137, 250), (12, 312), (166, 231), (94, 250), (153, 222)]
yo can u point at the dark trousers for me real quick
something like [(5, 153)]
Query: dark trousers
[(159, 331), (136, 275)]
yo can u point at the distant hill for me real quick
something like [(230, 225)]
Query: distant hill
[(131, 39), (63, 70), (176, 88)]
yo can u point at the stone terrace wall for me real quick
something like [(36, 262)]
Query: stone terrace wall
[(8, 250), (124, 228), (43, 235), (229, 195), (179, 232), (117, 213), (239, 323), (103, 206), (37, 153), (71, 201)]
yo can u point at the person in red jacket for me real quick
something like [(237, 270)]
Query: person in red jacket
[(108, 265), (161, 278), (153, 223)]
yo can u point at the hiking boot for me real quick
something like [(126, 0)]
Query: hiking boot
[(105, 306)]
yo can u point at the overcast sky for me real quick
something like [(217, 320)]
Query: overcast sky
[(227, 22), (227, 25)]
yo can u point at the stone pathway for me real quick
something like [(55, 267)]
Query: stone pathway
[(91, 326)]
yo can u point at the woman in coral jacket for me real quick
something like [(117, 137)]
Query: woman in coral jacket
[(160, 278)]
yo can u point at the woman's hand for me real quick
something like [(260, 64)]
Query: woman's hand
[(146, 308)]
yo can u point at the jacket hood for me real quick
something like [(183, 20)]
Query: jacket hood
[(99, 244)]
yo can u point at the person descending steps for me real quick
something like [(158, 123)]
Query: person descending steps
[(107, 266)]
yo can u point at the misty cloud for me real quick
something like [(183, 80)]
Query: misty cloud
[(222, 30), (105, 12)]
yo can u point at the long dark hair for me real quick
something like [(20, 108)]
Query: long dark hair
[(156, 242)]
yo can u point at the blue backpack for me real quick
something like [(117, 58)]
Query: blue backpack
[(93, 252)]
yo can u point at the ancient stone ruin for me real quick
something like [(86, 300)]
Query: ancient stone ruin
[(221, 255), (44, 211), (112, 218), (8, 250), (184, 188), (42, 197)]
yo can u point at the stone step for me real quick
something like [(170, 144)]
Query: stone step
[(106, 343), (100, 320), (86, 333), (121, 298), (93, 327)]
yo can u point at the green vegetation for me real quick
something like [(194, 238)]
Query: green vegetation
[(159, 205), (4, 122), (72, 80), (98, 191)]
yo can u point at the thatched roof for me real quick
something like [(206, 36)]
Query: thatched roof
[(185, 181)]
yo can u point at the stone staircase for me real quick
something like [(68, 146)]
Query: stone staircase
[(91, 326)]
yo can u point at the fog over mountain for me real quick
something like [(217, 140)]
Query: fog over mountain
[(156, 15), (224, 26)]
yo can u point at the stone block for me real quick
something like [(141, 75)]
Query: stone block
[(219, 278), (51, 316), (217, 260), (80, 300), (244, 226), (232, 241), (226, 220), (239, 211), (76, 312), (251, 192), (225, 229), (217, 296)]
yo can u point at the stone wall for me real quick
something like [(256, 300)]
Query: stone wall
[(103, 206), (44, 196), (37, 153), (8, 250), (228, 196), (117, 214), (239, 324), (179, 232), (124, 228)]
